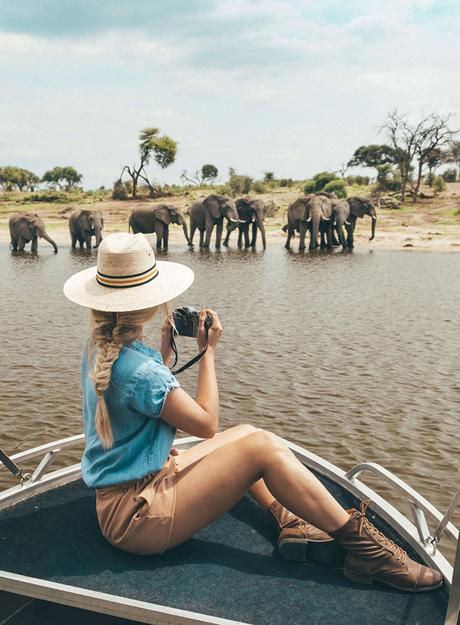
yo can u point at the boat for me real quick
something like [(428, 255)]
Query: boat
[(55, 566)]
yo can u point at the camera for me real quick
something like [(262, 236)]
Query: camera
[(185, 321)]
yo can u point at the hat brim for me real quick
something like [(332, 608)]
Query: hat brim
[(172, 279)]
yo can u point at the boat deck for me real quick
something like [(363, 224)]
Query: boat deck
[(228, 570)]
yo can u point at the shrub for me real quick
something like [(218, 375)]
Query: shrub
[(258, 186), (359, 180), (430, 178), (337, 186), (119, 191), (240, 185), (309, 186), (450, 175), (322, 179), (286, 182), (51, 196), (439, 184)]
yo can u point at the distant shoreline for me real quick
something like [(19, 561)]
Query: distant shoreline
[(429, 225)]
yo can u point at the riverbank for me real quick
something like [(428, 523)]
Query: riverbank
[(431, 224)]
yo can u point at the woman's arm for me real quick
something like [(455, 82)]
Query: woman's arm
[(199, 416)]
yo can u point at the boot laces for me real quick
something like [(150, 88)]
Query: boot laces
[(383, 540)]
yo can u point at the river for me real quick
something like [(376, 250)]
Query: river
[(354, 356)]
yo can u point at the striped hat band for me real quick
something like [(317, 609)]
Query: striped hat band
[(127, 281)]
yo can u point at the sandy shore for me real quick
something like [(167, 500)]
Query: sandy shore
[(432, 225)]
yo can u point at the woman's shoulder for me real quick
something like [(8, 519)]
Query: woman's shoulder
[(144, 350)]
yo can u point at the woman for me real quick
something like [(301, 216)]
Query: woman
[(149, 498)]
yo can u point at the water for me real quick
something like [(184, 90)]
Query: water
[(354, 356)]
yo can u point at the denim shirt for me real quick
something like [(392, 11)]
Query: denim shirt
[(138, 388)]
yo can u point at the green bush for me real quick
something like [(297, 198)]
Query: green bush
[(359, 180), (337, 186), (240, 185), (259, 187), (286, 182), (430, 178), (309, 186), (450, 175), (322, 179), (51, 196), (439, 184)]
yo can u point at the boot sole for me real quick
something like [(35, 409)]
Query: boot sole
[(368, 581), (301, 550)]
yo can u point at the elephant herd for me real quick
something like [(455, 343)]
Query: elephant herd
[(328, 217), (29, 227)]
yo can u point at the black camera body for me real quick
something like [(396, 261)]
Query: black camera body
[(186, 321)]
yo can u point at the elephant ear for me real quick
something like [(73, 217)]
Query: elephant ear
[(213, 203), (84, 219), (300, 207), (26, 226), (161, 212), (358, 206)]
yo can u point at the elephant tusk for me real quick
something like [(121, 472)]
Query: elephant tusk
[(372, 216), (308, 220), (241, 221), (235, 221), (347, 223), (326, 218)]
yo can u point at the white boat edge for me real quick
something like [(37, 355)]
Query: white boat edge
[(145, 612)]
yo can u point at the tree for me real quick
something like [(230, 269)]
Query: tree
[(207, 174), (269, 176), (63, 177), (452, 155), (415, 142), (163, 149), (18, 178), (374, 155)]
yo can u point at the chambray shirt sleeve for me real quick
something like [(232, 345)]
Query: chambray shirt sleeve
[(152, 383)]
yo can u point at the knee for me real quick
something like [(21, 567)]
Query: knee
[(245, 429), (265, 441)]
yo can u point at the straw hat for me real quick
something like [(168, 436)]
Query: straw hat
[(127, 277)]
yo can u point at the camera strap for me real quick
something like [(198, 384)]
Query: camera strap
[(193, 360)]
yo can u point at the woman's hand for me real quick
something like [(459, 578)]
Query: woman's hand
[(165, 344), (214, 332)]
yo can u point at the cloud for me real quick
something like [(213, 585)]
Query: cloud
[(290, 86)]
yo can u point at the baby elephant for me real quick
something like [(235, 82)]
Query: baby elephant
[(26, 227), (83, 225)]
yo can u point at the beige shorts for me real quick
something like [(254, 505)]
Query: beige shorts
[(137, 516)]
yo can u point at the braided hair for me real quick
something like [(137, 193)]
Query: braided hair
[(109, 332)]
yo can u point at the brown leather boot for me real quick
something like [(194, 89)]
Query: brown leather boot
[(295, 533), (371, 556)]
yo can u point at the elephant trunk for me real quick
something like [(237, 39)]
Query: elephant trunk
[(184, 227), (98, 235), (314, 232), (45, 235), (374, 222), (260, 224)]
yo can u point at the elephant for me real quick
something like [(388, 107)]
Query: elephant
[(310, 212), (358, 208), (210, 212), (83, 224), (249, 212), (26, 227), (340, 218), (157, 219)]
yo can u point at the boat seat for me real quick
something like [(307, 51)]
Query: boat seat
[(230, 569)]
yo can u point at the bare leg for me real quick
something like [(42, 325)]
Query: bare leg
[(212, 485), (258, 490)]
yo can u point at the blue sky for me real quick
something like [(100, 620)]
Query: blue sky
[(287, 86)]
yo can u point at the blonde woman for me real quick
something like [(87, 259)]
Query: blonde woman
[(149, 498)]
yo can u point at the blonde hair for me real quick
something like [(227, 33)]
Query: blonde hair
[(109, 332)]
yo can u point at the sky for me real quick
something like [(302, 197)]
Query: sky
[(289, 86)]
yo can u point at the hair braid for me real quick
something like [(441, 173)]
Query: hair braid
[(109, 333)]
